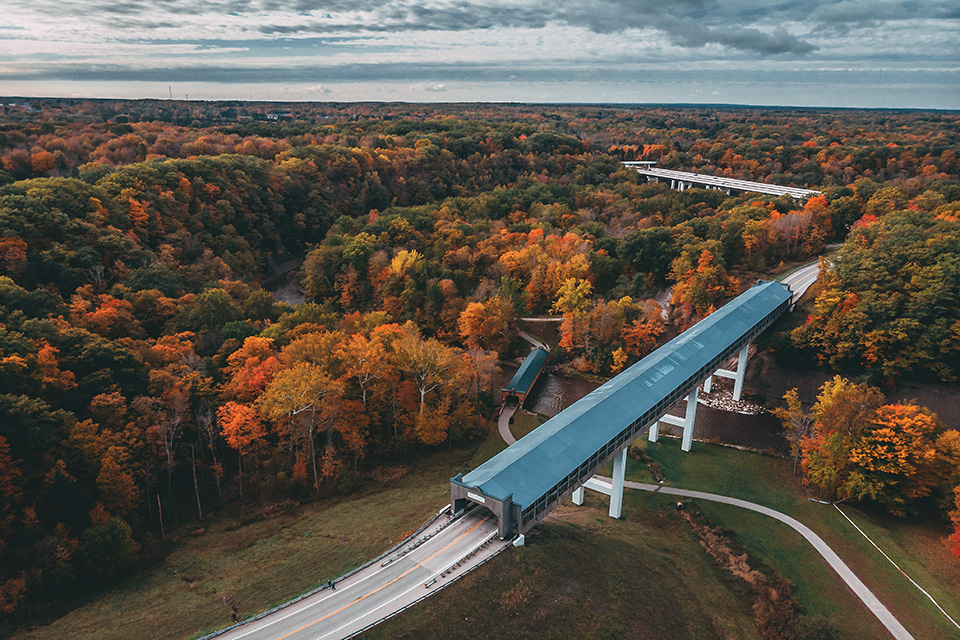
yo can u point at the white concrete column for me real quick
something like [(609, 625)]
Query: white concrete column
[(616, 491), (737, 376), (689, 418), (654, 432), (577, 496), (741, 372), (708, 384), (687, 421)]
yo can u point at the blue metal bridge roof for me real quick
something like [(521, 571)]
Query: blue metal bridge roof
[(538, 461), (526, 375)]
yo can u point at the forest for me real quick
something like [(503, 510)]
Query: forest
[(149, 376)]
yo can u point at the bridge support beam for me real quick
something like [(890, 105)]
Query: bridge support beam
[(686, 422), (737, 376), (614, 490)]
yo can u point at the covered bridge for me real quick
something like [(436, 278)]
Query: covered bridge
[(526, 481), (526, 376)]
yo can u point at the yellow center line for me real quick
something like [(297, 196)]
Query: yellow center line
[(406, 573)]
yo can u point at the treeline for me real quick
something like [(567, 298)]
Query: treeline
[(782, 146), (854, 445), (886, 305), (145, 369)]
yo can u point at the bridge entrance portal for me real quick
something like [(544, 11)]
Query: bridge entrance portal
[(463, 496)]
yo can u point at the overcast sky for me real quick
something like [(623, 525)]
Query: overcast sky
[(782, 52)]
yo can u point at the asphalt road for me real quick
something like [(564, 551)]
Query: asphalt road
[(801, 279), (377, 591)]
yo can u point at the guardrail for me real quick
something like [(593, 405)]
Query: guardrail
[(335, 580), (419, 542), (443, 586)]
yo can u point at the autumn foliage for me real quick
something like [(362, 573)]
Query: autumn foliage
[(148, 364), (895, 455)]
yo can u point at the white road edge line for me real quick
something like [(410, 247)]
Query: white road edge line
[(413, 588), (306, 606), (922, 590)]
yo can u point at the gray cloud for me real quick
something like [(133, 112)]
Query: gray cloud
[(438, 76), (686, 24), (850, 43), (690, 34)]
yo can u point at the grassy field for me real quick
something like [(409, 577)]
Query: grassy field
[(916, 546), (580, 567), (262, 564), (581, 573)]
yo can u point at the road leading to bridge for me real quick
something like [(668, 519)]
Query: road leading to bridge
[(383, 588), (801, 279)]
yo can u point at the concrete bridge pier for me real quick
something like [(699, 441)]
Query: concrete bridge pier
[(737, 376), (577, 496), (615, 490), (686, 422)]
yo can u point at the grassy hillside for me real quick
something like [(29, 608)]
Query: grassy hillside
[(917, 546), (581, 573), (584, 575), (261, 564)]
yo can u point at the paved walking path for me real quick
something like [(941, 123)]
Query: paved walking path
[(873, 603), (866, 596), (503, 423)]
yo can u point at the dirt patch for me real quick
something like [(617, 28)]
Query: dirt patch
[(774, 606)]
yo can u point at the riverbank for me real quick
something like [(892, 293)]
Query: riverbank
[(760, 431)]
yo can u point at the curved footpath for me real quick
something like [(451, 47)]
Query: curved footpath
[(873, 603), (503, 423), (866, 596)]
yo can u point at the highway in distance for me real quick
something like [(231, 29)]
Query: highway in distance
[(382, 588)]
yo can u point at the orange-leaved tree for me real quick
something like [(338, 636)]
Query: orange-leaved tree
[(700, 288), (842, 411), (242, 430), (296, 400), (486, 324), (893, 461), (250, 369)]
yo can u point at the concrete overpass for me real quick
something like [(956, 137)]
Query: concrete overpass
[(682, 180), (525, 482)]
